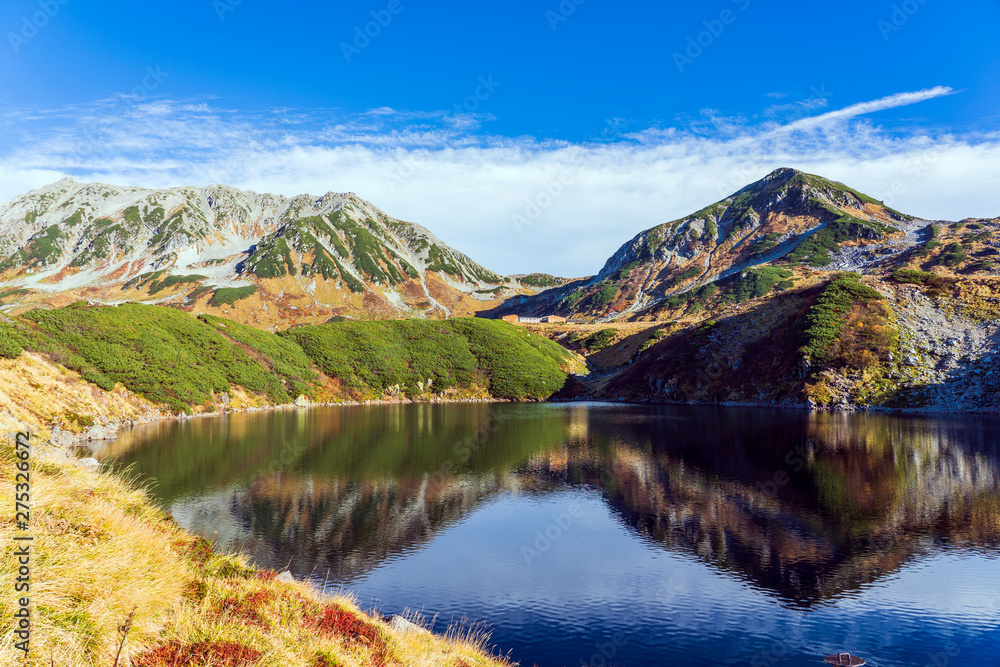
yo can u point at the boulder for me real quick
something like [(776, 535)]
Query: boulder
[(404, 627), (101, 432), (61, 438), (285, 577)]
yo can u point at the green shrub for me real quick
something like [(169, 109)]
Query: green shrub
[(766, 242), (847, 324), (170, 357), (517, 364), (694, 300), (11, 341), (282, 355), (912, 277), (686, 274), (626, 271), (539, 280), (230, 295), (754, 283), (603, 296), (599, 340), (953, 255), (173, 281), (371, 357), (161, 353)]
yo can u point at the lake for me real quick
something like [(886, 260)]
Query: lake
[(596, 534)]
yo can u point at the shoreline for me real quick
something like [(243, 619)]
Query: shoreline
[(133, 561), (851, 409), (82, 440), (78, 440)]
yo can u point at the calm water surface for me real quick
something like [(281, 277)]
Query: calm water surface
[(590, 534)]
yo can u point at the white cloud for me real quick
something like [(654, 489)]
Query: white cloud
[(467, 188), (855, 110)]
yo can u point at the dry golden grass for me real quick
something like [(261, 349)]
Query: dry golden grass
[(102, 550), (39, 392)]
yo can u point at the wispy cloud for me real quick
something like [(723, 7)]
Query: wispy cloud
[(855, 110), (468, 186)]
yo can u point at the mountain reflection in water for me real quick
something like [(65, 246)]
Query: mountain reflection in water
[(806, 508)]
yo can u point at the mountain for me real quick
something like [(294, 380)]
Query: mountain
[(260, 257), (789, 220)]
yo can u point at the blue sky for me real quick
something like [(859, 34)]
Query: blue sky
[(510, 129)]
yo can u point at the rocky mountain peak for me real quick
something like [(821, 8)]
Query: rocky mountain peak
[(789, 217), (338, 252)]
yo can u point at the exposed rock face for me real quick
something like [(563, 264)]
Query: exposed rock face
[(939, 354), (295, 259)]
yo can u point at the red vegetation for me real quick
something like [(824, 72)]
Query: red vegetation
[(175, 654), (247, 610), (195, 590), (353, 629), (199, 549)]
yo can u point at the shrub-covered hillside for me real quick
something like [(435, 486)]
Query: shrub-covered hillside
[(173, 358), (418, 356)]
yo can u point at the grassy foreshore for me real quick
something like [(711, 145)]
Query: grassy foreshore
[(102, 554), (110, 573)]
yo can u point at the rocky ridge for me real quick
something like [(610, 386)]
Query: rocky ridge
[(285, 259), (789, 221)]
